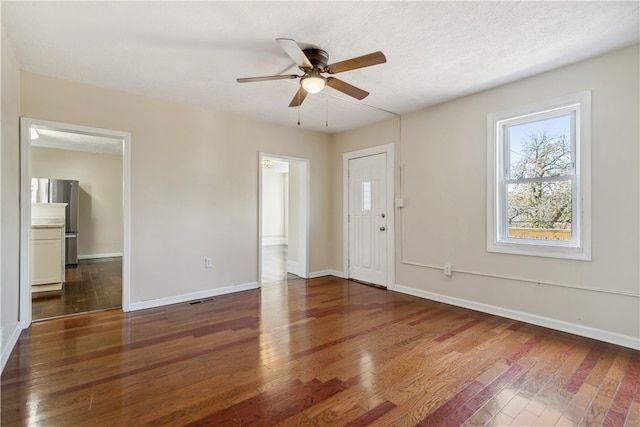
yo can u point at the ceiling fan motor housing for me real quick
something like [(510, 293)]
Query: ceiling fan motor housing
[(318, 58)]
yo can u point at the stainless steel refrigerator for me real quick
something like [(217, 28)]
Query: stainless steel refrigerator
[(46, 190)]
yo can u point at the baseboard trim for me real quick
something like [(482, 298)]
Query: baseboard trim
[(177, 299), (11, 343), (337, 273), (322, 273), (94, 256), (275, 240), (560, 325), (293, 267)]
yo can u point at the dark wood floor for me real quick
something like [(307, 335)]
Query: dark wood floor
[(96, 284), (322, 352)]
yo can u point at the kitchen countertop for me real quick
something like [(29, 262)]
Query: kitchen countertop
[(50, 222)]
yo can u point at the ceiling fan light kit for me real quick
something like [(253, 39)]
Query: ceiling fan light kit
[(313, 63), (313, 82)]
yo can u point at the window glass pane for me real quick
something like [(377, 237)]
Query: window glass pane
[(538, 200), (539, 210), (366, 196), (540, 148)]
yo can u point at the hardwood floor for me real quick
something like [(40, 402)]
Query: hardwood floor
[(323, 352), (94, 285), (274, 264)]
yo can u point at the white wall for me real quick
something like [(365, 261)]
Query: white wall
[(274, 202), (9, 201), (194, 184), (100, 208), (443, 154)]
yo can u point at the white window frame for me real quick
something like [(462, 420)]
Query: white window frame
[(579, 247)]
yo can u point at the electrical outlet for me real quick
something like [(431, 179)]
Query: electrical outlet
[(447, 270), (208, 262)]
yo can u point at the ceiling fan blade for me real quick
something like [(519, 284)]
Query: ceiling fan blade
[(300, 95), (345, 87), (374, 58), (266, 78), (293, 50)]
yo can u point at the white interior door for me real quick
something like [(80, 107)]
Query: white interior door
[(368, 219)]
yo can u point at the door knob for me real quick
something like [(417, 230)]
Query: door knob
[(383, 228)]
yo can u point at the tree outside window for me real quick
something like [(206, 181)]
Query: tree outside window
[(539, 181)]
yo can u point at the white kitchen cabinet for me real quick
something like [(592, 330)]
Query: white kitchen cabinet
[(47, 258)]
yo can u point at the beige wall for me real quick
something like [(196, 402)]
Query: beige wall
[(9, 199), (443, 154), (194, 193), (100, 180), (194, 183)]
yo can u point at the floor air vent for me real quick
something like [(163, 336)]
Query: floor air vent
[(201, 301)]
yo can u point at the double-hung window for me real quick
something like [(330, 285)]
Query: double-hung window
[(538, 195)]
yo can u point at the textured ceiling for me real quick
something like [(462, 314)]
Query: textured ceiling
[(192, 52)]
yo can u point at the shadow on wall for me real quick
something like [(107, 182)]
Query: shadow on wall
[(85, 239)]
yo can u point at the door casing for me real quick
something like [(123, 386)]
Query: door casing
[(26, 123), (305, 187)]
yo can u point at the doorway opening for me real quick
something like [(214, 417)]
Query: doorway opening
[(284, 218), (92, 166)]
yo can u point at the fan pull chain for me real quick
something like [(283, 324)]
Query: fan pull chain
[(299, 108), (326, 120)]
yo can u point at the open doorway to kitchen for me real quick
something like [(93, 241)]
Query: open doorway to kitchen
[(284, 216), (84, 172)]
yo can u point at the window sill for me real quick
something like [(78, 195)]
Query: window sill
[(546, 251)]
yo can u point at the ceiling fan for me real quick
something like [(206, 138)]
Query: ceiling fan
[(313, 63)]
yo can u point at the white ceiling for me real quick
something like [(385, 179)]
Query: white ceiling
[(278, 165), (67, 140), (192, 52)]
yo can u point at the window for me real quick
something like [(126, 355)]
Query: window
[(366, 196), (538, 195)]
